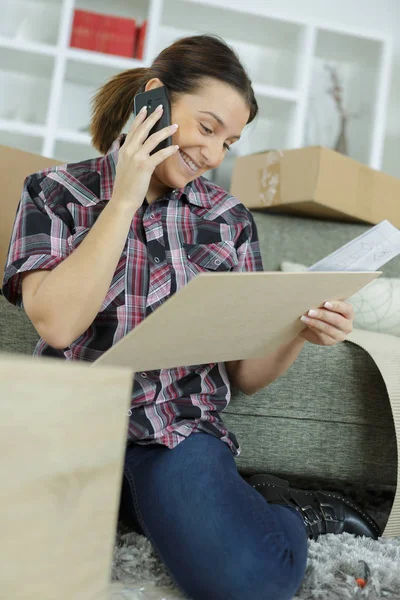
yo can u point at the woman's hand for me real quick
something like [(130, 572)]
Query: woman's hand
[(135, 165), (329, 324)]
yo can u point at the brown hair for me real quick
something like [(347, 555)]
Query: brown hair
[(181, 67)]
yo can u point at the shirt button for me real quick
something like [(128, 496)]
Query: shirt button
[(156, 260), (152, 216), (217, 261), (143, 375)]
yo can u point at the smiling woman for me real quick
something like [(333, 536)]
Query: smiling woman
[(97, 246)]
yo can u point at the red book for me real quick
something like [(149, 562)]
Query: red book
[(76, 33), (122, 34), (141, 37), (103, 33), (95, 23), (81, 30)]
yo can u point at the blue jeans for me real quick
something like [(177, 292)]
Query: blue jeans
[(217, 536)]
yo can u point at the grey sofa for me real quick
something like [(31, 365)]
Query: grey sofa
[(328, 418)]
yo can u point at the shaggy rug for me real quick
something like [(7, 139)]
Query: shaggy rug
[(334, 561)]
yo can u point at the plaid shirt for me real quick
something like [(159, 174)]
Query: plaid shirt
[(188, 231)]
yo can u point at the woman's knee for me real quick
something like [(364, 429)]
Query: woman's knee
[(272, 572)]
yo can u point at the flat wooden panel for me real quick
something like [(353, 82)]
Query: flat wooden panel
[(229, 316), (62, 442)]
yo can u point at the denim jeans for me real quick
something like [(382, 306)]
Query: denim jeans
[(217, 536)]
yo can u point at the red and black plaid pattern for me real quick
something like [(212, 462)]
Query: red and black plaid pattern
[(188, 231)]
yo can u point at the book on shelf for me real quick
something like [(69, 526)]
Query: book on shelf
[(108, 34), (122, 36), (140, 40)]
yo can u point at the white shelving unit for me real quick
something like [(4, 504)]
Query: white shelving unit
[(46, 86)]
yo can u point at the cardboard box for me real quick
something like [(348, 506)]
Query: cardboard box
[(15, 166), (317, 182)]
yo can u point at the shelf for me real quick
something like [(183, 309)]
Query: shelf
[(356, 61), (271, 129), (108, 60), (26, 79), (137, 11), (23, 21), (22, 128), (267, 47), (80, 85), (279, 93), (34, 47), (69, 152), (346, 48), (27, 143), (119, 8), (66, 135)]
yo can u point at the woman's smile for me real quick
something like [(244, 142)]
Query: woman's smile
[(187, 161)]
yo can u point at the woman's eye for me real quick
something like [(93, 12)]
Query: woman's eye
[(226, 147), (206, 128)]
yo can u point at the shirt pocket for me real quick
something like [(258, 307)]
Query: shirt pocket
[(219, 256), (77, 237)]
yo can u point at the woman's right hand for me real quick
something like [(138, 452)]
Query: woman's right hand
[(135, 164)]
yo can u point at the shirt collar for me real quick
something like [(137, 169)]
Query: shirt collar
[(194, 191)]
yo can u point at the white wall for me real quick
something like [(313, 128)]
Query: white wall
[(376, 15)]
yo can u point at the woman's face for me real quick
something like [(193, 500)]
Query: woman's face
[(210, 121)]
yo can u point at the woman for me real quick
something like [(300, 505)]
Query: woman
[(100, 244)]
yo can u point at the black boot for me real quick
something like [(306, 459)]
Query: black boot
[(323, 512)]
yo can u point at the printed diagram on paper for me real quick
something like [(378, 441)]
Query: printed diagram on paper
[(368, 252)]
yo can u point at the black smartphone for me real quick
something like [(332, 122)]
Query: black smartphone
[(152, 99)]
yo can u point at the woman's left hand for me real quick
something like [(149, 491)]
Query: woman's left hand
[(329, 324)]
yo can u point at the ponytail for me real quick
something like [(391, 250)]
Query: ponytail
[(112, 106)]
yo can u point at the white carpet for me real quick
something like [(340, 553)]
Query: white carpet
[(332, 568)]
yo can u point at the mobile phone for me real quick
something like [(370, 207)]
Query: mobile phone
[(152, 99)]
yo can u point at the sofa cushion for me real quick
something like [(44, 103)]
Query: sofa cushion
[(327, 417), (17, 334), (306, 240)]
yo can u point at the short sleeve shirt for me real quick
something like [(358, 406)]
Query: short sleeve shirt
[(199, 228)]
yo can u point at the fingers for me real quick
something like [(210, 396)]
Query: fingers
[(317, 337), (328, 323), (137, 138), (137, 121), (161, 155), (153, 141), (142, 125), (343, 308)]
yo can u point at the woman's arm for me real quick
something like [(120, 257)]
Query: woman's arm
[(63, 303), (253, 374), (326, 326)]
